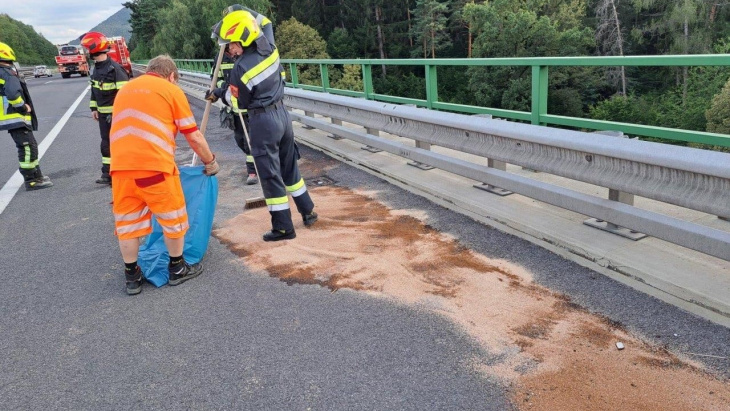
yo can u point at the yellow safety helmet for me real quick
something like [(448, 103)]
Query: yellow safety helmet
[(6, 53), (237, 26)]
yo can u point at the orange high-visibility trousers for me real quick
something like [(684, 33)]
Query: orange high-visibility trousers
[(139, 194)]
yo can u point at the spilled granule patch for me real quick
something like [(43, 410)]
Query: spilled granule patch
[(555, 355)]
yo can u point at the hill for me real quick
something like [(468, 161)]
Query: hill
[(116, 25), (30, 47)]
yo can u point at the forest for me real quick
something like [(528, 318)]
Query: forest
[(30, 47), (693, 98)]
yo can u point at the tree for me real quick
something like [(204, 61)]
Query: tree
[(718, 115), (299, 41), (30, 47), (429, 27), (609, 36), (177, 32)]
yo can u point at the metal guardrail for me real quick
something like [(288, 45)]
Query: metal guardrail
[(692, 178)]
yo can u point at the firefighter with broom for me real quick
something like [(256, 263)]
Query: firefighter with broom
[(256, 85), (231, 113)]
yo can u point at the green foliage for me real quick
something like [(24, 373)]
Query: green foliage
[(718, 115), (429, 27), (299, 41), (402, 85), (176, 35), (180, 28), (351, 78), (340, 45), (30, 47)]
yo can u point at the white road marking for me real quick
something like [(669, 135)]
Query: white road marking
[(51, 81), (16, 181)]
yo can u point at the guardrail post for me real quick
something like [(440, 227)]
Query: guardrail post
[(615, 195), (373, 132), (422, 145), (336, 122), (496, 164)]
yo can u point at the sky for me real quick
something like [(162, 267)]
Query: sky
[(60, 21)]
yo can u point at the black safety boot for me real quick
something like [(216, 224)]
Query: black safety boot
[(38, 184), (183, 272), (276, 235), (104, 179), (134, 282), (309, 219)]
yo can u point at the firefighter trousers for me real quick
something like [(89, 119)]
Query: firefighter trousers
[(276, 154), (105, 126), (27, 152), (240, 137)]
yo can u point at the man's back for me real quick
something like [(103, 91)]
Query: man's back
[(148, 113)]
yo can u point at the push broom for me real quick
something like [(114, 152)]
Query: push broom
[(255, 202), (209, 104)]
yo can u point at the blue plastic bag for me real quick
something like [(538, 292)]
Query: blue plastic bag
[(201, 196)]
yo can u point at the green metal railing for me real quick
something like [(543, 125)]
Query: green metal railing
[(539, 96)]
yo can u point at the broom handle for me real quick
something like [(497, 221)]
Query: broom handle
[(209, 104), (248, 141)]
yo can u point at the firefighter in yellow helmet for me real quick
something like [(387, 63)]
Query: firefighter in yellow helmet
[(18, 117), (229, 114), (256, 85)]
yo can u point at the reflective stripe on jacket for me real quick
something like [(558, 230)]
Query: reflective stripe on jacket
[(13, 113), (106, 80)]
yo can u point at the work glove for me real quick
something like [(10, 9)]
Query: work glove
[(212, 168), (211, 96)]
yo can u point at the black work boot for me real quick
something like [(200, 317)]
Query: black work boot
[(134, 281), (183, 272), (276, 235), (309, 219), (104, 179), (38, 184)]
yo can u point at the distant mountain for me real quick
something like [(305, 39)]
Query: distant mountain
[(116, 25)]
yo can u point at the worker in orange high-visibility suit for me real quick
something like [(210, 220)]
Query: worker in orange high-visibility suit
[(148, 113)]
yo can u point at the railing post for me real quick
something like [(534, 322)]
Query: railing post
[(431, 86), (367, 79), (294, 74), (615, 195), (374, 132), (324, 73), (539, 93)]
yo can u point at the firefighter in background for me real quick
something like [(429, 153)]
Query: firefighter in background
[(19, 118), (256, 84), (106, 80), (231, 111)]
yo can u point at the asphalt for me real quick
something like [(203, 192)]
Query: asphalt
[(237, 339), (230, 339)]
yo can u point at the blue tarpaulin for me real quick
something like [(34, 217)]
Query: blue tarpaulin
[(201, 196)]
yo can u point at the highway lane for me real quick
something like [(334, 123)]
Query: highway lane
[(49, 110), (232, 339)]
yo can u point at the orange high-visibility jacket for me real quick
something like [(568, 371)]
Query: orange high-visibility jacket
[(148, 113)]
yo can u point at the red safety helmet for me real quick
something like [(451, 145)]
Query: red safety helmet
[(95, 42)]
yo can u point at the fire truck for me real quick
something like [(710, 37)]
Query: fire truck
[(120, 53), (72, 60)]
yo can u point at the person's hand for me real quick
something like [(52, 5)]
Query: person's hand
[(212, 168), (210, 96), (95, 115), (28, 108)]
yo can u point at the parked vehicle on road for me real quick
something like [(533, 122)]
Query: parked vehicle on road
[(42, 71), (72, 60)]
